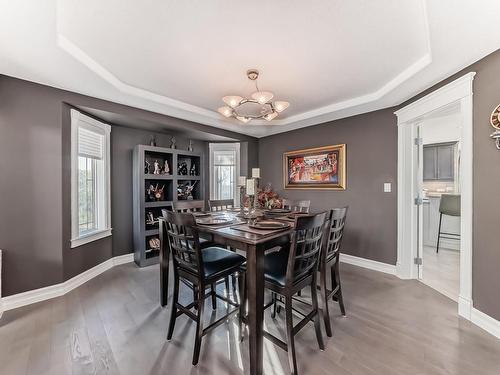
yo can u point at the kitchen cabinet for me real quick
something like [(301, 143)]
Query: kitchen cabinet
[(439, 162)]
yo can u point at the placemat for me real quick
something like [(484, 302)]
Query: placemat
[(262, 232)]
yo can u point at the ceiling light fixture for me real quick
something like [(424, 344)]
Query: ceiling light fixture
[(258, 106)]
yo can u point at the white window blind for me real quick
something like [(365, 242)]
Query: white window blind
[(90, 143)]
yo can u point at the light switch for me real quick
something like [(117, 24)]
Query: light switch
[(387, 187)]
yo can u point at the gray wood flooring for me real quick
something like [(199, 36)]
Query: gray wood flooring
[(113, 325)]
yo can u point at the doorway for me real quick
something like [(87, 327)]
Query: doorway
[(455, 97), (438, 184)]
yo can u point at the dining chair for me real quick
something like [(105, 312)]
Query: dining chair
[(287, 272), (220, 204), (201, 267), (188, 206), (329, 260), (296, 206), (448, 205)]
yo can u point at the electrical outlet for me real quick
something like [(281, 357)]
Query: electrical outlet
[(387, 187)]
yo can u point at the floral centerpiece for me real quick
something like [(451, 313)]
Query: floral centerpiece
[(268, 198)]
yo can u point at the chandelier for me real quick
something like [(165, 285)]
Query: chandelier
[(259, 106)]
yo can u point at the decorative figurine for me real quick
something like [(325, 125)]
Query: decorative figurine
[(154, 243), (172, 145), (190, 146), (157, 167), (192, 171), (147, 167), (150, 219), (166, 168), (182, 169), (155, 193), (152, 141), (185, 191)]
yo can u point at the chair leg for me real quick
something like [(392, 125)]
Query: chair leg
[(340, 297), (195, 295), (243, 300), (290, 338), (324, 299), (226, 283), (214, 298), (317, 318), (275, 304), (173, 313), (439, 232), (199, 325)]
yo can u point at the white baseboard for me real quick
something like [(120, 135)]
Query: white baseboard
[(486, 322), (42, 294), (464, 307), (367, 263)]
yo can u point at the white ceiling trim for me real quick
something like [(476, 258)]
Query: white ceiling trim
[(194, 113)]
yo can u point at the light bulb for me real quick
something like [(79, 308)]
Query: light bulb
[(262, 97), (226, 111), (281, 106), (271, 116), (232, 100), (243, 119)]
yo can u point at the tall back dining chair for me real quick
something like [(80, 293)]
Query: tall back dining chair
[(200, 267), (297, 206), (287, 272), (449, 205), (188, 206), (220, 204), (334, 233)]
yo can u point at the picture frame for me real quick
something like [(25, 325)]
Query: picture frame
[(320, 168)]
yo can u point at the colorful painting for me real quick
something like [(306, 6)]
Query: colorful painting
[(316, 168)]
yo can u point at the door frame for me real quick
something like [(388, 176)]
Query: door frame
[(457, 92)]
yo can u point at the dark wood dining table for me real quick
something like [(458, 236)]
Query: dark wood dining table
[(254, 245)]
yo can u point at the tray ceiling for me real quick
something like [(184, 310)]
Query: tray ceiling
[(329, 59)]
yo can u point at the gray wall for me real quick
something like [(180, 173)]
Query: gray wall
[(35, 225), (371, 159), (371, 141), (486, 246)]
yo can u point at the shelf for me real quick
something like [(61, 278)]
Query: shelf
[(151, 232), (158, 176), (158, 204), (187, 177)]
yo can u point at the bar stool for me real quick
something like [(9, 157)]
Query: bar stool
[(449, 205)]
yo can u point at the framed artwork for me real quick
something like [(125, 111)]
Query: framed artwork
[(315, 168)]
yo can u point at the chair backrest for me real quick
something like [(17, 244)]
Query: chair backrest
[(220, 204), (188, 206), (334, 232), (450, 204), (180, 232), (305, 248), (298, 206)]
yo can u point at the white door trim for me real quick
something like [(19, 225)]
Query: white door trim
[(460, 92)]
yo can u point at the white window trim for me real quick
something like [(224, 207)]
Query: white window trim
[(224, 147), (78, 119)]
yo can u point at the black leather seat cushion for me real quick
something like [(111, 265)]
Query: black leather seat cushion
[(217, 260), (205, 242), (275, 265)]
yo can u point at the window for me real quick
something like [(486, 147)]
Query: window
[(90, 179), (224, 170)]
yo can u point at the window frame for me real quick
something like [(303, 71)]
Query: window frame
[(213, 147), (78, 120)]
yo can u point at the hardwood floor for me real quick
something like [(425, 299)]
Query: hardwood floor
[(113, 325), (442, 271)]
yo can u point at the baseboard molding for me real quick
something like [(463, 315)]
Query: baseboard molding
[(33, 296), (486, 322), (369, 264)]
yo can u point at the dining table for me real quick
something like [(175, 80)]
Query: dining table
[(237, 234)]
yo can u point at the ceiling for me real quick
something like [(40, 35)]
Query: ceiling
[(328, 58)]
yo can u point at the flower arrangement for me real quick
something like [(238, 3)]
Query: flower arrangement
[(268, 198)]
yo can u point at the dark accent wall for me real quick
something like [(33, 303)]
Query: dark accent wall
[(371, 141), (35, 196), (486, 205)]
